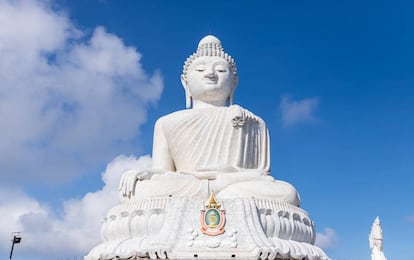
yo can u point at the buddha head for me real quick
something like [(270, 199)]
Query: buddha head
[(209, 74)]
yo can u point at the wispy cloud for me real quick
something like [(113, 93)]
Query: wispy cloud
[(76, 230), (410, 218), (327, 239), (298, 111), (68, 98)]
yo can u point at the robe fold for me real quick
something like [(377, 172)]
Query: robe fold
[(224, 150), (216, 139)]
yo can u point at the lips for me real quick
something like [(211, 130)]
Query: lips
[(210, 81)]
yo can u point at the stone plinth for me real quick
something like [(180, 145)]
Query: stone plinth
[(170, 228)]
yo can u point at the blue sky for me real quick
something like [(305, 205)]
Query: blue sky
[(83, 82)]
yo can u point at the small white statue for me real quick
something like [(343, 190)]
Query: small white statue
[(213, 145), (375, 241)]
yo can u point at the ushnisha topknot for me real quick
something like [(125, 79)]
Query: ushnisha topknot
[(209, 46)]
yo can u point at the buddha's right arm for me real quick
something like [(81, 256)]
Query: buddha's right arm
[(161, 157), (161, 163)]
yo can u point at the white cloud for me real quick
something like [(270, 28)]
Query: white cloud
[(327, 239), (32, 26), (69, 100), (298, 111), (74, 231)]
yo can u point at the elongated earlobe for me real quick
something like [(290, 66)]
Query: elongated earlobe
[(231, 99), (187, 99), (187, 93)]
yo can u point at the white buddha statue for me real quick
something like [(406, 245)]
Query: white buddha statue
[(212, 146)]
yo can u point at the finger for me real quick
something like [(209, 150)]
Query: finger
[(121, 183), (126, 185), (127, 190), (122, 186), (131, 183)]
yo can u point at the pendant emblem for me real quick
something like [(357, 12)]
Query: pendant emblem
[(212, 218)]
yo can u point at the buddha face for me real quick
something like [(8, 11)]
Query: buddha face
[(210, 79)]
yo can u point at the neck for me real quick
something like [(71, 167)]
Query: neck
[(202, 104)]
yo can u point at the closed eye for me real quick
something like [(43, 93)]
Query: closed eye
[(200, 68), (220, 68)]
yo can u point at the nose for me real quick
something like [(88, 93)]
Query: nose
[(211, 75)]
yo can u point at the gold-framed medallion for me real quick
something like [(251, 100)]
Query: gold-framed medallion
[(212, 218)]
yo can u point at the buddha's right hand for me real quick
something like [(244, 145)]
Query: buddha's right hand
[(129, 179)]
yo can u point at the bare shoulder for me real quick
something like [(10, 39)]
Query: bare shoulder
[(172, 117)]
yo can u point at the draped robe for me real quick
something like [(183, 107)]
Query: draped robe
[(214, 139), (224, 150)]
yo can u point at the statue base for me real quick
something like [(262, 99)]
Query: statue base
[(185, 228)]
